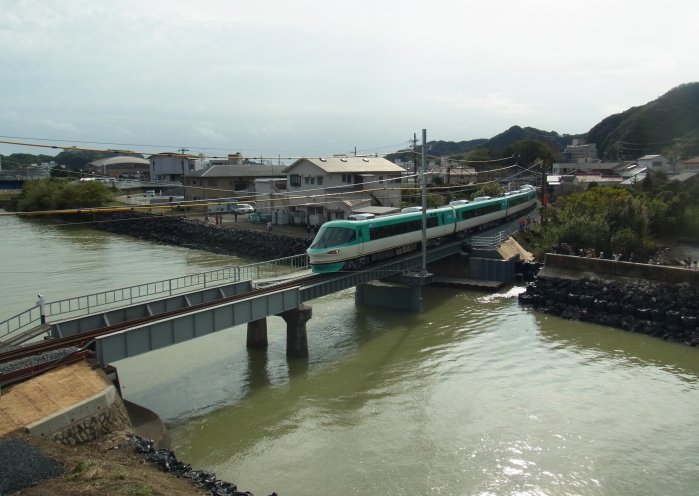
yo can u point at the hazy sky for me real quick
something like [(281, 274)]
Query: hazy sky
[(320, 77)]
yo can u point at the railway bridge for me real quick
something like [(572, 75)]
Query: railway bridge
[(131, 321)]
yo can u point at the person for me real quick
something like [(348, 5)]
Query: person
[(308, 232), (632, 257), (206, 218), (269, 225), (601, 254), (235, 216), (695, 265)]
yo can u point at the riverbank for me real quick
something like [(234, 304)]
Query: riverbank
[(243, 239), (661, 310)]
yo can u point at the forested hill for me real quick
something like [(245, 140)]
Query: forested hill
[(495, 145), (668, 125)]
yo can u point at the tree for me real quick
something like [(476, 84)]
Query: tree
[(55, 193), (529, 152), (488, 189)]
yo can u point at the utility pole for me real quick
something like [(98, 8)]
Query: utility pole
[(414, 147), (544, 195), (184, 189), (423, 272)]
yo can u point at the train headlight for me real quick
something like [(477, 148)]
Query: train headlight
[(333, 252)]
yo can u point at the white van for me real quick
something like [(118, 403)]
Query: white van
[(149, 193), (361, 217), (458, 202), (481, 198)]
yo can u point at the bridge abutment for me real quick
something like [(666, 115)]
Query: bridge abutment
[(257, 334), (296, 336)]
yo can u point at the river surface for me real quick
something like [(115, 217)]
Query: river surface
[(473, 396)]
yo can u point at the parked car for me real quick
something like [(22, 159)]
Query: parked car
[(241, 209)]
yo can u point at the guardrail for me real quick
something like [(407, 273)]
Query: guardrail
[(84, 305), (489, 242)]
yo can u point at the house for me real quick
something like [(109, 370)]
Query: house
[(232, 159), (691, 165), (561, 168), (227, 181), (323, 189), (172, 166), (454, 175), (654, 163)]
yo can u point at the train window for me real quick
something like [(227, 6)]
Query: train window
[(333, 236)]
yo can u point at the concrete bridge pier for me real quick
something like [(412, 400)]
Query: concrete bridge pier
[(296, 337), (257, 334), (395, 296)]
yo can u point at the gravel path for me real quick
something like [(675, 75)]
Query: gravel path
[(23, 465)]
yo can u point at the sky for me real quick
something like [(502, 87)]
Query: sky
[(296, 78)]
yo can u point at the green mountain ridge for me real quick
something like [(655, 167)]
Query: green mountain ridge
[(668, 125)]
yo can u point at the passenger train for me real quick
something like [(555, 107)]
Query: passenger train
[(350, 244)]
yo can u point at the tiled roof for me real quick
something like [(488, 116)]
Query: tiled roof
[(361, 165), (271, 171)]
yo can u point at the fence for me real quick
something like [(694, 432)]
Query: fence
[(84, 305), (489, 242)]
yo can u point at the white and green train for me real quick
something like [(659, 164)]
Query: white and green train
[(350, 244)]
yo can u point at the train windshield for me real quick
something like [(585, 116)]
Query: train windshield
[(333, 236)]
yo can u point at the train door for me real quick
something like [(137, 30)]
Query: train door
[(360, 241)]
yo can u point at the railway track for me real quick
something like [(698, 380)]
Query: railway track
[(82, 339)]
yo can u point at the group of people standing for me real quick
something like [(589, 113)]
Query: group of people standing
[(566, 249), (690, 264), (524, 223), (311, 230), (217, 217)]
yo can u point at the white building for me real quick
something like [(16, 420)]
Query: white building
[(654, 163), (323, 189), (579, 151), (172, 166)]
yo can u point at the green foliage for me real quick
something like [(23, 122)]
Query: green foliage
[(668, 124), (56, 194), (488, 189), (434, 200), (530, 151), (20, 160)]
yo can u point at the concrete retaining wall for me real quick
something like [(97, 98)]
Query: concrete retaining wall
[(570, 267), (84, 421)]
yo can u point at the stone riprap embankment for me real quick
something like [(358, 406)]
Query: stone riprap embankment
[(657, 309), (178, 231)]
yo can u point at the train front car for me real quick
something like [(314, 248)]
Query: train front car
[(335, 244)]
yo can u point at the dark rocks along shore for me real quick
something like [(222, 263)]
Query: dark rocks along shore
[(178, 231), (665, 311)]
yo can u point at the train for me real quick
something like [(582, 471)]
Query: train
[(351, 244)]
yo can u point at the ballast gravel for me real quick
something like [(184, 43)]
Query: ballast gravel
[(23, 465), (49, 356)]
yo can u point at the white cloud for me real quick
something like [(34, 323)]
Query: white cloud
[(9, 116), (58, 126), (496, 103), (210, 134)]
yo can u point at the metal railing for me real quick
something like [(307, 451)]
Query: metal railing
[(83, 305), (489, 242)]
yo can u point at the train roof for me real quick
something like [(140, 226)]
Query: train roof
[(399, 217)]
